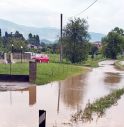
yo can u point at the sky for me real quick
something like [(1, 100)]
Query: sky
[(102, 17)]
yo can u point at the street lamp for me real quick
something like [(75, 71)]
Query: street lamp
[(11, 58), (21, 53), (12, 48)]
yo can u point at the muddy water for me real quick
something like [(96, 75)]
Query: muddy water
[(19, 107)]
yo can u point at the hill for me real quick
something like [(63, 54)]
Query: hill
[(47, 33), (96, 36)]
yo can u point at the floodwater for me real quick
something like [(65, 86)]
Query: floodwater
[(19, 105)]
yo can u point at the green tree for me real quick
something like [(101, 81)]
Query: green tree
[(113, 43), (75, 40), (17, 43), (1, 45), (37, 40), (118, 30), (30, 36), (94, 51), (34, 39), (0, 33)]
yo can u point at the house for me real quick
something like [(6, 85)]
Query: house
[(97, 44), (34, 46)]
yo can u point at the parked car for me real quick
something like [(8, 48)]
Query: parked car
[(41, 58)]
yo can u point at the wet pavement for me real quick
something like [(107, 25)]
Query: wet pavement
[(19, 107)]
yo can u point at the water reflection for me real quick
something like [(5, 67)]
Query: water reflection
[(32, 95), (31, 92), (59, 96), (72, 91), (112, 78), (16, 108), (19, 108)]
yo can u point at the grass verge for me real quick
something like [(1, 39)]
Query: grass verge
[(119, 65), (54, 58), (93, 62), (45, 72), (55, 71), (98, 107)]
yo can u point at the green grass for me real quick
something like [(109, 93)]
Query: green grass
[(93, 62), (45, 72), (54, 72), (118, 65), (18, 68), (120, 57), (98, 107), (54, 58)]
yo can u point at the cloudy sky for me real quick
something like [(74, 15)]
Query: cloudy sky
[(102, 16)]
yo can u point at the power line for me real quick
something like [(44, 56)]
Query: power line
[(87, 8)]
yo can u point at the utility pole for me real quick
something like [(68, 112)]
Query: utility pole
[(61, 48)]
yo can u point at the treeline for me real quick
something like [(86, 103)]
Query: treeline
[(75, 43), (113, 43), (16, 41), (77, 48)]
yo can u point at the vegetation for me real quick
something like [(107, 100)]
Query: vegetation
[(90, 62), (75, 40), (45, 72), (76, 47), (93, 62), (98, 107), (13, 42), (94, 51), (113, 43), (54, 72), (119, 65), (34, 39)]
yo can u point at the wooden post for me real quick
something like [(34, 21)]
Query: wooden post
[(32, 71)]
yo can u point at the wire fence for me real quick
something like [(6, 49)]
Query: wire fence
[(15, 67)]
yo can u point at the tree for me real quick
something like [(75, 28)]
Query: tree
[(75, 38), (30, 36), (6, 34), (113, 43), (94, 51), (18, 35), (0, 33), (34, 39), (17, 42), (118, 30), (37, 40), (1, 45)]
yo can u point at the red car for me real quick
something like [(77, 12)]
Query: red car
[(41, 59)]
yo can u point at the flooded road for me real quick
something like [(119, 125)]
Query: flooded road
[(20, 108)]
